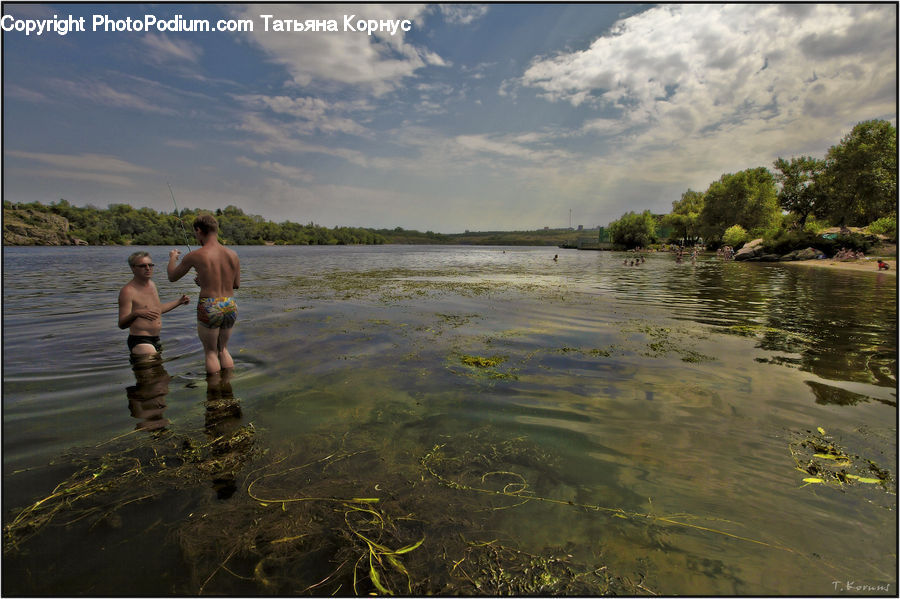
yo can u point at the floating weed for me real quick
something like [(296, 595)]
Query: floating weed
[(825, 462), (481, 366), (662, 341), (748, 330), (482, 362)]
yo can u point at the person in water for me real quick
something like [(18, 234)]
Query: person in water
[(218, 275), (140, 309)]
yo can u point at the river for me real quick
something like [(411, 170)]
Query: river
[(456, 420)]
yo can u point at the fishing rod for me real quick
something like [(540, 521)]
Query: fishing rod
[(178, 213)]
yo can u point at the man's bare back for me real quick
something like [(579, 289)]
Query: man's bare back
[(218, 269), (218, 275)]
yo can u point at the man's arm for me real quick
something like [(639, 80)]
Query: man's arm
[(175, 303), (237, 273), (175, 270)]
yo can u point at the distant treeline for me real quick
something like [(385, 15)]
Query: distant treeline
[(121, 224)]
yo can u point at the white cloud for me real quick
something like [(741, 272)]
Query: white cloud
[(696, 90), (694, 67), (282, 170), (315, 115), (162, 49), (378, 62), (462, 14)]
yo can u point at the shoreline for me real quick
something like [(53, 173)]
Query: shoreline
[(855, 265)]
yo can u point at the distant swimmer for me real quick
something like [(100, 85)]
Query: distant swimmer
[(882, 265), (556, 258), (140, 309), (218, 274)]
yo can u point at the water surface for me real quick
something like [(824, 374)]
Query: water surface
[(645, 423)]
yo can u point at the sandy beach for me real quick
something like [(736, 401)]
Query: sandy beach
[(869, 265)]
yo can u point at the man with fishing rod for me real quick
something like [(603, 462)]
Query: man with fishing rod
[(218, 275)]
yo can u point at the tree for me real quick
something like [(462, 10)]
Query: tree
[(747, 198), (685, 217), (633, 230), (860, 175), (734, 236), (800, 194)]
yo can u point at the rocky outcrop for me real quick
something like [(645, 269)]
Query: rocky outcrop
[(29, 227), (753, 251), (807, 254)]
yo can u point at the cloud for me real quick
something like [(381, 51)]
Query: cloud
[(103, 178), (699, 66), (284, 171), (97, 168), (462, 14), (162, 49), (700, 89), (378, 63), (314, 115), (99, 92), (86, 162)]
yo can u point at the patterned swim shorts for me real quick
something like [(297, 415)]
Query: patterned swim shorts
[(217, 312)]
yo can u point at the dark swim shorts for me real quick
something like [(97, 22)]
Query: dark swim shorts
[(138, 339)]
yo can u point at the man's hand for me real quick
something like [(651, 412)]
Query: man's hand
[(183, 300), (173, 255), (148, 313)]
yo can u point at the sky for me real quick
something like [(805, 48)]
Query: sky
[(463, 117)]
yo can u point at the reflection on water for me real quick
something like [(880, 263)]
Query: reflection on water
[(634, 421), (147, 397), (223, 422)]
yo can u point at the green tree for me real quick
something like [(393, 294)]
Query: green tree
[(734, 236), (747, 198), (860, 175), (685, 217), (633, 230), (800, 194)]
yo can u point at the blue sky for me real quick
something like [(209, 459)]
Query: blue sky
[(480, 117)]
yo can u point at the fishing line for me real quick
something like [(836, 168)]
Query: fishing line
[(178, 213)]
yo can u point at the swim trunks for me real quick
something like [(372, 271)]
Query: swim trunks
[(138, 339), (216, 312)]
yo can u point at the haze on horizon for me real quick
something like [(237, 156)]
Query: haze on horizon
[(480, 117)]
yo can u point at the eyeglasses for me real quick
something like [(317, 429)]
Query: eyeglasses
[(151, 265)]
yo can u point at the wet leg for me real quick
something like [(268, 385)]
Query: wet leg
[(225, 360), (210, 340)]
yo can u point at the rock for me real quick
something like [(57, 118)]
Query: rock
[(750, 251), (29, 227), (809, 253), (769, 258)]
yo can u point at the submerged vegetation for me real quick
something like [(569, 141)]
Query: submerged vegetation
[(331, 516)]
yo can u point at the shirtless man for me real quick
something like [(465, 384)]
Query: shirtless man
[(218, 274), (140, 309)]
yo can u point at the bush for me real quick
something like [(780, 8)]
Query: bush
[(734, 236), (886, 226)]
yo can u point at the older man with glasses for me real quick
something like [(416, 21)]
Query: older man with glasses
[(140, 309)]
